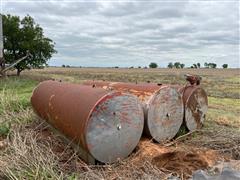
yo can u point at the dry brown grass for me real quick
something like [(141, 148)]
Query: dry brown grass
[(217, 137), (217, 82), (32, 151)]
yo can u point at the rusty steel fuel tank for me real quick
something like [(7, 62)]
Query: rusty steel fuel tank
[(195, 105), (163, 106), (106, 125)]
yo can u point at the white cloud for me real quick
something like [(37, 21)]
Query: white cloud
[(126, 33)]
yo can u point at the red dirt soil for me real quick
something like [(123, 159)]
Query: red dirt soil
[(182, 160)]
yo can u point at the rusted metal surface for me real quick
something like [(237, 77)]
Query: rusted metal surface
[(106, 125), (193, 79), (195, 105), (163, 106)]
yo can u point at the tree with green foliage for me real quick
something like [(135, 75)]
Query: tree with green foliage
[(212, 65), (177, 65), (182, 66), (198, 65), (206, 65), (22, 36), (153, 65), (194, 66), (170, 65), (225, 66)]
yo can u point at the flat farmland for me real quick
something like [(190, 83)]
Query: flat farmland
[(30, 150)]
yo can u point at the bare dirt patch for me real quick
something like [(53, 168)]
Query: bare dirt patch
[(179, 160), (184, 163)]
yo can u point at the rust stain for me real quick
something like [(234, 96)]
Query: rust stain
[(70, 108), (74, 118), (191, 94), (146, 93), (142, 90)]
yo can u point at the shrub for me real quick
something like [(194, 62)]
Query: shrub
[(153, 65)]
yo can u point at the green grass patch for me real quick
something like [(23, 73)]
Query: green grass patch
[(224, 104), (224, 111), (233, 79), (4, 129), (183, 130), (15, 93)]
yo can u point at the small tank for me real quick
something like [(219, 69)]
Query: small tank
[(105, 125), (195, 102), (195, 105)]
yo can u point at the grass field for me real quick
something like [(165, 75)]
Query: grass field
[(29, 150)]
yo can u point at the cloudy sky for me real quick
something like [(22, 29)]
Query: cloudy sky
[(135, 33)]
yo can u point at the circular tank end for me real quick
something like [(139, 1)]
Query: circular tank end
[(165, 114), (114, 127), (196, 108)]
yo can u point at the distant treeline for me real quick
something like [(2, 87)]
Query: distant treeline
[(180, 65), (177, 65)]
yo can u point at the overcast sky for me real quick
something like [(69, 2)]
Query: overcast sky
[(135, 33)]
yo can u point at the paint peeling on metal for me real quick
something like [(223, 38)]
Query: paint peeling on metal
[(158, 101), (85, 115), (195, 104), (111, 142)]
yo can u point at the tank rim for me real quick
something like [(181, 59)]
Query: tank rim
[(196, 87), (149, 103)]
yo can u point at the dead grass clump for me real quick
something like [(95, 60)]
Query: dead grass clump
[(24, 158), (33, 151), (224, 140), (124, 170), (21, 117), (9, 119), (224, 121)]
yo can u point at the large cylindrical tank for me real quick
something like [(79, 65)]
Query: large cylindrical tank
[(195, 105), (163, 106), (106, 125)]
